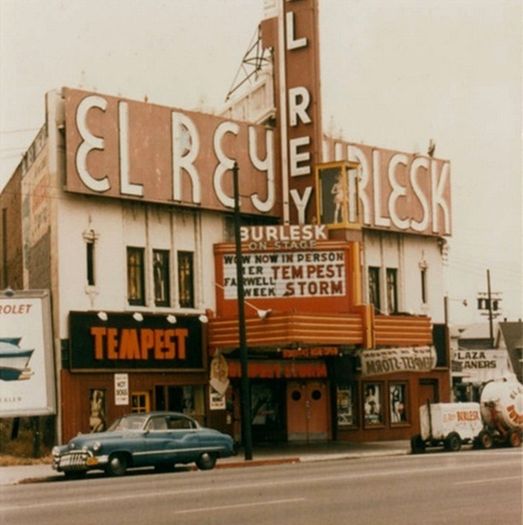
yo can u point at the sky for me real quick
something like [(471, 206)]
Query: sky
[(394, 74)]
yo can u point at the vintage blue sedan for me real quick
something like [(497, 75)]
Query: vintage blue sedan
[(159, 439)]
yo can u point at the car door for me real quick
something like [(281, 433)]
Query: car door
[(156, 443), (184, 439)]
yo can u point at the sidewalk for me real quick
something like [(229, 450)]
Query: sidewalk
[(262, 455)]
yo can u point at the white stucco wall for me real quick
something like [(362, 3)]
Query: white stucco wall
[(407, 253), (117, 225)]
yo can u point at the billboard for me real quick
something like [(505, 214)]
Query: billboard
[(27, 385)]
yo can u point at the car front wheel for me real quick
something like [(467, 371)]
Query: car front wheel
[(206, 461), (117, 465)]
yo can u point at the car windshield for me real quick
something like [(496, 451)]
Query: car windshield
[(133, 422)]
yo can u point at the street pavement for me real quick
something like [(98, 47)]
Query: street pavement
[(262, 455)]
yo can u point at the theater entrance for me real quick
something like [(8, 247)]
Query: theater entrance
[(307, 411)]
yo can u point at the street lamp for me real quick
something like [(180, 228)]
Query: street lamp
[(245, 400)]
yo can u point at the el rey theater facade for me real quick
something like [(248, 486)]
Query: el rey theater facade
[(133, 202)]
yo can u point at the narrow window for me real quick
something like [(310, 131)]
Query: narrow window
[(186, 279), (161, 277), (374, 287), (423, 274), (89, 250), (135, 276), (392, 290)]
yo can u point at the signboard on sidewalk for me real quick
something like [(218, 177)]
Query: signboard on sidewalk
[(26, 355)]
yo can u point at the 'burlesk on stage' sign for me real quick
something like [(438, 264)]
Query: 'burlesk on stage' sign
[(392, 360)]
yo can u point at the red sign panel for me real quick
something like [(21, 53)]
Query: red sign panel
[(134, 150)]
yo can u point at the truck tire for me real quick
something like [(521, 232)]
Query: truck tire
[(453, 442), (514, 438), (417, 445), (485, 439)]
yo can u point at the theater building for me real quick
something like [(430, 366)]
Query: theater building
[(126, 214)]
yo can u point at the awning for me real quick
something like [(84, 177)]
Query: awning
[(286, 329)]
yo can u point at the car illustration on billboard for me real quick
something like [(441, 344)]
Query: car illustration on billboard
[(14, 360)]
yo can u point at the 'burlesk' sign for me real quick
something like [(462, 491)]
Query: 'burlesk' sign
[(393, 360), (123, 343), (398, 191)]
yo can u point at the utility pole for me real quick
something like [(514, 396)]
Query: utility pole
[(245, 400), (489, 302)]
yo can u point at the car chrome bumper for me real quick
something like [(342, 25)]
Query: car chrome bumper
[(78, 460)]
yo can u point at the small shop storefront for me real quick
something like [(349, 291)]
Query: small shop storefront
[(115, 363)]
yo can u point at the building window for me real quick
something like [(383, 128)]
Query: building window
[(392, 290), (140, 402), (423, 274), (89, 250), (373, 405), (346, 406), (398, 403), (90, 239), (374, 287), (135, 276), (186, 279), (161, 277)]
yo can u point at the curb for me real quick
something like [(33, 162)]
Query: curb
[(254, 463)]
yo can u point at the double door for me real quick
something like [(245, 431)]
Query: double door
[(307, 411)]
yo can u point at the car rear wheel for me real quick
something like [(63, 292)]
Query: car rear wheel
[(206, 461), (117, 465)]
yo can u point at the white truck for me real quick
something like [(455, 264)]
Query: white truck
[(496, 419)]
